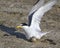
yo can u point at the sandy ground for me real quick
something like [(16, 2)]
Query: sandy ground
[(14, 12)]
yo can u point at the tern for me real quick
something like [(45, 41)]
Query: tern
[(32, 29)]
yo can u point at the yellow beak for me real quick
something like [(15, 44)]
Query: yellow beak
[(19, 27)]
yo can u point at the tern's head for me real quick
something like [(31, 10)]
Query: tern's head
[(21, 25)]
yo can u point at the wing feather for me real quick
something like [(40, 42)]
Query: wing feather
[(40, 12), (34, 8), (37, 6)]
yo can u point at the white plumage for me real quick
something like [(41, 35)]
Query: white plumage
[(35, 15)]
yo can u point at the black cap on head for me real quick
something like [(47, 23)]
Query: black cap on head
[(23, 24)]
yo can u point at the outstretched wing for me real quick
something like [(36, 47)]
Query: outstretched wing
[(34, 8), (37, 6), (40, 12)]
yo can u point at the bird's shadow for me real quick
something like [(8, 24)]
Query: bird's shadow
[(11, 31)]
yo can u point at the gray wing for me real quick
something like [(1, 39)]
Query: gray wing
[(34, 8), (37, 6), (40, 12)]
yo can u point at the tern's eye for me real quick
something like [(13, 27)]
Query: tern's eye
[(23, 24)]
